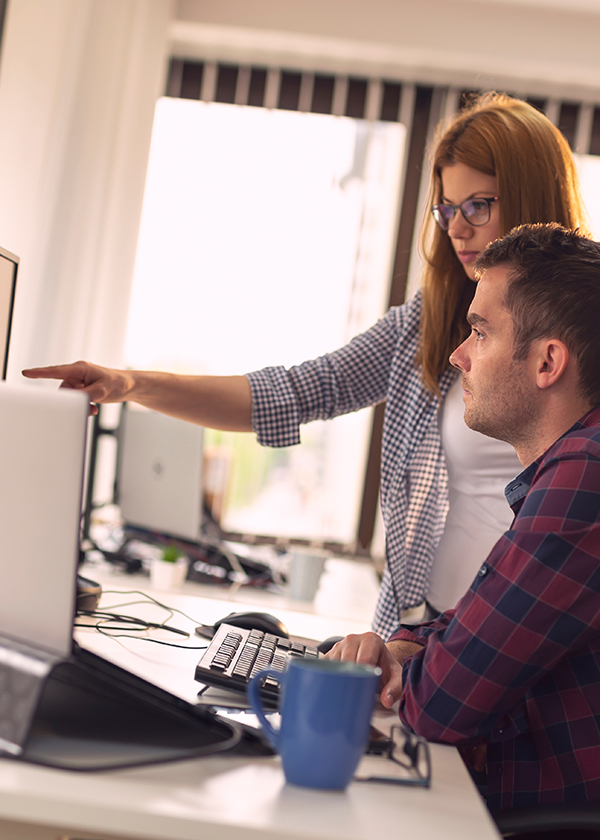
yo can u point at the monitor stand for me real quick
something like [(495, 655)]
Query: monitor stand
[(84, 713)]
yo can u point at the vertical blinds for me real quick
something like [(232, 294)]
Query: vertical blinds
[(287, 89), (350, 96)]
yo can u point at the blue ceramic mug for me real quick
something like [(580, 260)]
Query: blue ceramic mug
[(325, 709)]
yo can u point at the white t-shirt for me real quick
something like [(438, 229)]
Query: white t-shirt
[(479, 468)]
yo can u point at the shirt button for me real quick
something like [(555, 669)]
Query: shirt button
[(483, 571)]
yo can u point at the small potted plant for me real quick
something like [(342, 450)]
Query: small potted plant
[(169, 568)]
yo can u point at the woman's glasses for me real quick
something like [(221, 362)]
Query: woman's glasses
[(476, 211)]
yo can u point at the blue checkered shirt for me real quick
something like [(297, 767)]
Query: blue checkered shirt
[(375, 366)]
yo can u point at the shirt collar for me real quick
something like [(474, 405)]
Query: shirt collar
[(518, 488), (592, 418)]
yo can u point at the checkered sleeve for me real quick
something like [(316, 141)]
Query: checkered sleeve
[(534, 602), (351, 378)]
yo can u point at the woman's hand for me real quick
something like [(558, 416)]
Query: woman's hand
[(102, 385)]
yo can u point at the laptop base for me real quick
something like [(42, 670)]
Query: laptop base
[(84, 713)]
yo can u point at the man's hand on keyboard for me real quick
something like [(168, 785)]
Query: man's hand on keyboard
[(370, 649)]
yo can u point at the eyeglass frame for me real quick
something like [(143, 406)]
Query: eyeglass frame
[(456, 207), (410, 747)]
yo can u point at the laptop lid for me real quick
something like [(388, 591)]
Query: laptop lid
[(159, 473), (8, 280), (42, 451)]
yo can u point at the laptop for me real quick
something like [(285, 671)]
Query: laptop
[(9, 264), (159, 473), (64, 706), (42, 449)]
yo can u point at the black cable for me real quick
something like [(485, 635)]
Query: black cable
[(115, 635), (106, 618), (129, 619), (145, 595)]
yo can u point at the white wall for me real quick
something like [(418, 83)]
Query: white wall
[(78, 83)]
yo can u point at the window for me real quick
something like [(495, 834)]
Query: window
[(267, 237), (588, 167)]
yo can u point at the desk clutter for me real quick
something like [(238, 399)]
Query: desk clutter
[(73, 708), (236, 652), (209, 561), (83, 697)]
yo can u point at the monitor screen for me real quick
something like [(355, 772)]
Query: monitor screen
[(8, 280)]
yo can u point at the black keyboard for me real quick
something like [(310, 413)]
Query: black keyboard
[(235, 655)]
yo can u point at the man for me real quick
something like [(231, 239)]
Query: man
[(512, 674)]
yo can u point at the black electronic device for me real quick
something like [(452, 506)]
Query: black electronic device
[(326, 645), (265, 622), (236, 654), (88, 594)]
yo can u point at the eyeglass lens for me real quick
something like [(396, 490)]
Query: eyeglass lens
[(414, 748), (475, 210)]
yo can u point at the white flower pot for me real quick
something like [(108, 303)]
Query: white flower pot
[(168, 575)]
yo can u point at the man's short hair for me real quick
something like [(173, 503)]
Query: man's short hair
[(553, 292)]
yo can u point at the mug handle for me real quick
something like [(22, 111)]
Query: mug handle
[(255, 700)]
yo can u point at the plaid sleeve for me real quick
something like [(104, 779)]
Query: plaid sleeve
[(351, 378), (275, 410), (418, 633), (534, 602)]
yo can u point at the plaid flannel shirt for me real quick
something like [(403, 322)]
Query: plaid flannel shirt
[(516, 664), (375, 366)]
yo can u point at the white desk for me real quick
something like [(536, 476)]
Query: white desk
[(226, 798), (344, 604)]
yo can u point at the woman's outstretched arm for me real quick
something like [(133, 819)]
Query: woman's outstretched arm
[(217, 402)]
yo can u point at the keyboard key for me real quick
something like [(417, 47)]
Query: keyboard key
[(235, 655)]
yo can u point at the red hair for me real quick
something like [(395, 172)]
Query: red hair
[(537, 182)]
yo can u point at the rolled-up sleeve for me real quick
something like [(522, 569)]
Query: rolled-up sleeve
[(351, 378), (275, 409)]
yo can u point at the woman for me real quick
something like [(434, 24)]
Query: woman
[(500, 163), (514, 166)]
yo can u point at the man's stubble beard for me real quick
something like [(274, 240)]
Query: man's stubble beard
[(508, 412)]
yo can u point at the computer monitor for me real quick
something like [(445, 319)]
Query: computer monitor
[(8, 281)]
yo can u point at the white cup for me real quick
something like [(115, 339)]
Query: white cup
[(305, 571)]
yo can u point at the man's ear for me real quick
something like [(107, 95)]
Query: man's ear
[(552, 359)]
